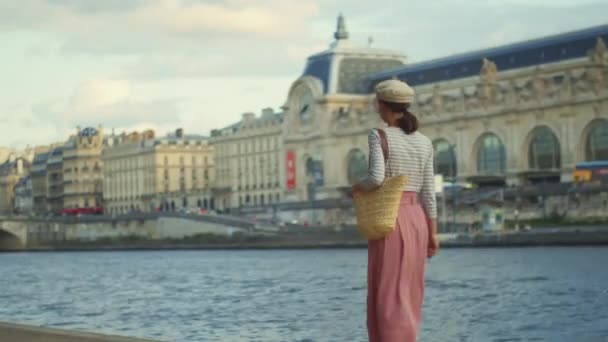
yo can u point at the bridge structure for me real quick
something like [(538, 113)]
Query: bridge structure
[(18, 232)]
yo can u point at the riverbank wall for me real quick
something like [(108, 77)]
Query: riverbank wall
[(332, 239), (26, 333), (22, 233)]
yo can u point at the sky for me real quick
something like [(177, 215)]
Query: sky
[(199, 64)]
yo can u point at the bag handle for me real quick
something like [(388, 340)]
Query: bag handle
[(384, 145)]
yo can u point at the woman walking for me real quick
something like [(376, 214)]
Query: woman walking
[(396, 262)]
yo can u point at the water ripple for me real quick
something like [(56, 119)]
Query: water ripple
[(540, 294)]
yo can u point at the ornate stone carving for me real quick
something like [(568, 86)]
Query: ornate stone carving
[(554, 86), (364, 116), (452, 103), (539, 85), (489, 72), (425, 106), (504, 93), (600, 52), (437, 99), (511, 95), (524, 91), (582, 83), (487, 88), (487, 94), (565, 89), (343, 116), (471, 99)]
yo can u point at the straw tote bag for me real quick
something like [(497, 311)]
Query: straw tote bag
[(377, 210)]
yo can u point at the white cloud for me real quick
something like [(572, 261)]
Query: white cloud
[(198, 64), (113, 102), (299, 52), (97, 93), (275, 18)]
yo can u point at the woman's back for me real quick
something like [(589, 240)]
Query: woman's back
[(410, 155)]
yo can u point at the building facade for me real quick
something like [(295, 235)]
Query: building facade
[(516, 114), (11, 171), (127, 181), (39, 183), (250, 161), (519, 114), (5, 153), (54, 181), (24, 200), (328, 114), (82, 169), (144, 173)]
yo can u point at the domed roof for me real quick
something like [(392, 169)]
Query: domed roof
[(345, 68), (88, 132)]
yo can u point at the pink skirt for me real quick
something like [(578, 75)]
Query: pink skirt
[(395, 276)]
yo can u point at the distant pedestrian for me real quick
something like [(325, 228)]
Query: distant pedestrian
[(396, 263)]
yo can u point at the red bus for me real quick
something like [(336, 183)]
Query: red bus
[(81, 211)]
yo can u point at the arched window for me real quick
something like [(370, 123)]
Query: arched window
[(596, 147), (445, 158), (357, 166), (544, 151), (491, 157), (314, 171)]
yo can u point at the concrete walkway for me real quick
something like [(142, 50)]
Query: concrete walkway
[(21, 333)]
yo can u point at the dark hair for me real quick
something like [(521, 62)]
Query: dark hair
[(409, 121)]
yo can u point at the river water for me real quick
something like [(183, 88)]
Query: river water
[(514, 294)]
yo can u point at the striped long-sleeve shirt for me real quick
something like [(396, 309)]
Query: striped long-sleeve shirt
[(410, 155)]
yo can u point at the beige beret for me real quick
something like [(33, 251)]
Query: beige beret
[(394, 91)]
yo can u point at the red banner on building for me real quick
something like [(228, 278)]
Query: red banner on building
[(290, 164)]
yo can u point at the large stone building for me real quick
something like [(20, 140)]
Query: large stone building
[(82, 169), (516, 114), (54, 181), (328, 114), (24, 200), (39, 183), (11, 172), (250, 161), (144, 173), (5, 153)]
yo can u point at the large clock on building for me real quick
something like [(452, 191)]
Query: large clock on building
[(304, 104)]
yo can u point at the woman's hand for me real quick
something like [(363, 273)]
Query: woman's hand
[(433, 243), (433, 246), (357, 188)]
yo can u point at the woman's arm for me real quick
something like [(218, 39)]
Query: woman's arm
[(430, 205), (428, 188), (375, 172)]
